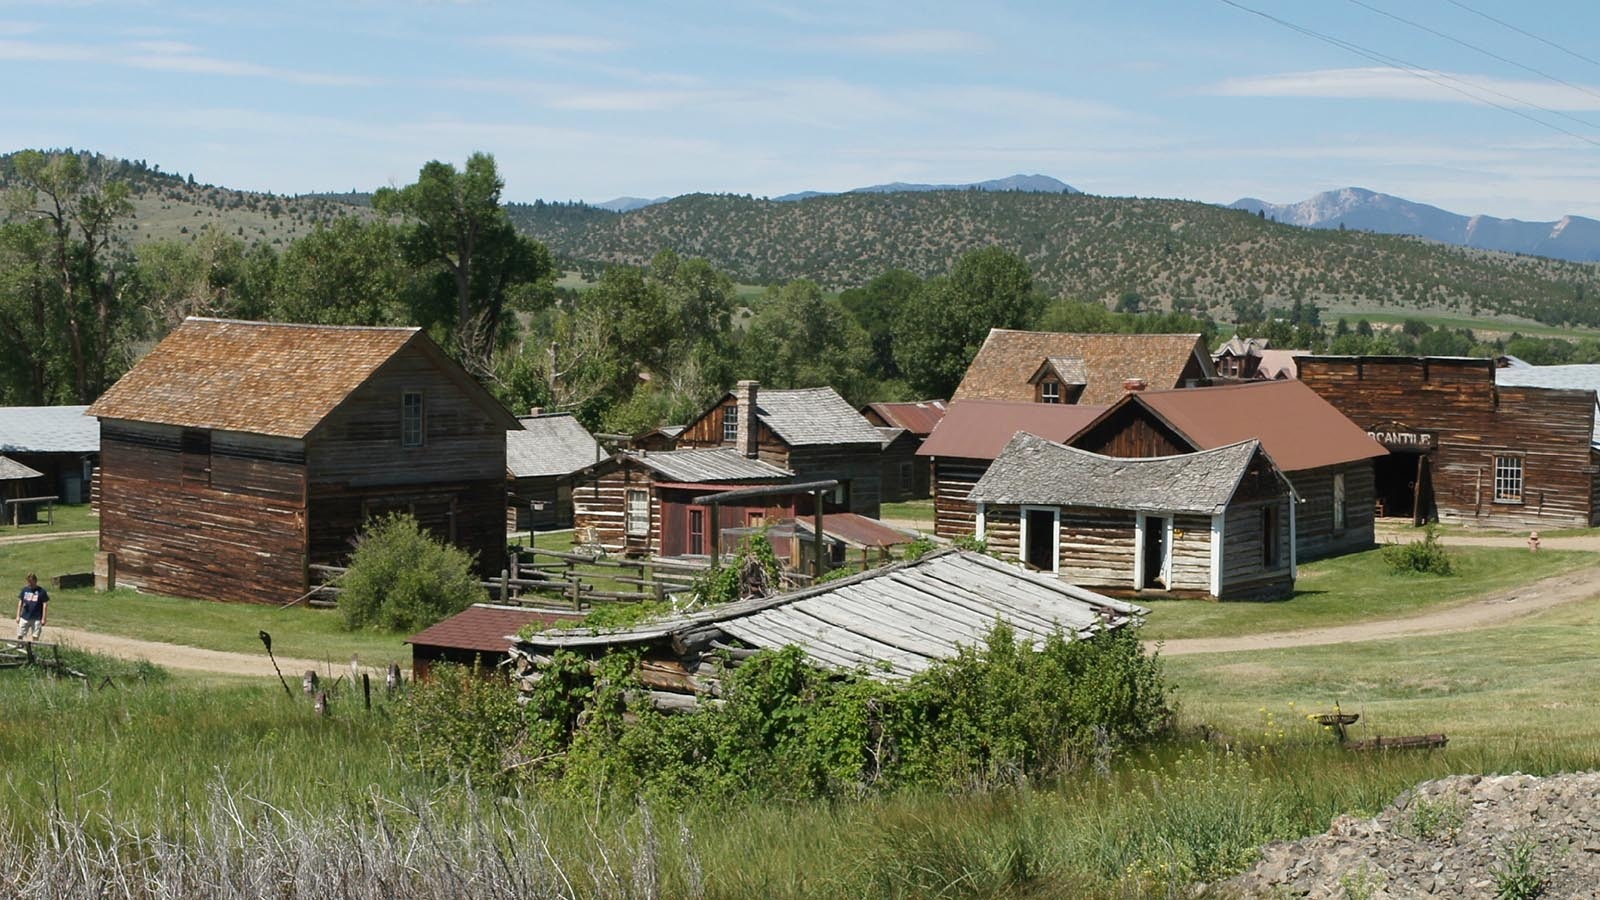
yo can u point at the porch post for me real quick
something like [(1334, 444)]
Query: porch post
[(983, 525), (1217, 520)]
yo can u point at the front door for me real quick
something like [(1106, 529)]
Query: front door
[(1155, 552), (1040, 548)]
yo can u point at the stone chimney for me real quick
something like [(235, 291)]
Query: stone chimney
[(1130, 385), (744, 394), (535, 410)]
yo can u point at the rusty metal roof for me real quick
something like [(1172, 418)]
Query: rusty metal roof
[(263, 377), (856, 530), (918, 417), (980, 429), (1009, 359), (487, 627), (1298, 428)]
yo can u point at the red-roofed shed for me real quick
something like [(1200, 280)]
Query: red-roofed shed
[(480, 635)]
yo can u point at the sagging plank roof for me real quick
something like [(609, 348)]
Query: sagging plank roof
[(891, 622)]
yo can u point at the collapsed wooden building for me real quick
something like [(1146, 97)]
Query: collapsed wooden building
[(1471, 441), (889, 623), (235, 455), (1217, 523)]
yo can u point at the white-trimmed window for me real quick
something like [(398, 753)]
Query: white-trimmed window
[(730, 424), (1338, 501), (1049, 391), (411, 421), (1508, 479), (638, 513)]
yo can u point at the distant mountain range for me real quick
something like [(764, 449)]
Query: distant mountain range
[(1571, 238), (1041, 184)]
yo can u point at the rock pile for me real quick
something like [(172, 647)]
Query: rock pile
[(1466, 836)]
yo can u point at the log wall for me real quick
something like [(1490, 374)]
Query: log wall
[(1246, 573), (953, 514), (859, 465), (1315, 535)]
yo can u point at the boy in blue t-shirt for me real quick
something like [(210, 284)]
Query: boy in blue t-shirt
[(31, 603)]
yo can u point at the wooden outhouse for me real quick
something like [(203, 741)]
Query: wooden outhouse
[(811, 432), (237, 454), (1215, 523)]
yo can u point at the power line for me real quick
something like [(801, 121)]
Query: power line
[(1486, 52), (1546, 41), (1440, 79)]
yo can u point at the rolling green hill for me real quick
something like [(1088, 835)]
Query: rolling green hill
[(1082, 246)]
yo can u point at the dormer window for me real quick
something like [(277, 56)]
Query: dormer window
[(1049, 391), (730, 423)]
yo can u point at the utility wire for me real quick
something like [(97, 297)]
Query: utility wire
[(1546, 41), (1437, 78), (1486, 52)]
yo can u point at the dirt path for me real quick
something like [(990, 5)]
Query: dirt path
[(1493, 609), (1405, 533), (178, 656)]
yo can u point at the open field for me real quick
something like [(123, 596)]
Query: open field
[(1484, 327), (1360, 587)]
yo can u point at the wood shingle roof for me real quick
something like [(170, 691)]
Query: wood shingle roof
[(1008, 360)]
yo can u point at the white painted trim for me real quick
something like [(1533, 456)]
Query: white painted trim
[(1294, 567), (983, 521), (1166, 552), (1217, 526), (1141, 523), (1055, 543), (1138, 551)]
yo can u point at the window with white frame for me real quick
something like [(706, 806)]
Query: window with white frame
[(1508, 479), (1049, 391), (411, 419), (730, 424), (638, 513), (1338, 501)]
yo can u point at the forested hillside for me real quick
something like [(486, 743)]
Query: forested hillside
[(1140, 253)]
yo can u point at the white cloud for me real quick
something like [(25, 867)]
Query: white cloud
[(1397, 84)]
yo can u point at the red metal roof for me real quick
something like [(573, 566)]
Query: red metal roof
[(858, 530), (485, 627), (980, 429), (918, 417), (1296, 427)]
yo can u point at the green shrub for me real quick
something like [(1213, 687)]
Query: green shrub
[(920, 547), (752, 570), (401, 579), (1426, 557)]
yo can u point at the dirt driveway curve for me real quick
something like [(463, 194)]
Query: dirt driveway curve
[(178, 656)]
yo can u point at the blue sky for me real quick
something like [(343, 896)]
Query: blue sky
[(1189, 98)]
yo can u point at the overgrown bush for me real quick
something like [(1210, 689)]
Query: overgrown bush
[(998, 714), (920, 547), (402, 579), (751, 571), (1426, 557)]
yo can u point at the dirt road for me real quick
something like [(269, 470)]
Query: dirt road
[(178, 656), (1494, 609)]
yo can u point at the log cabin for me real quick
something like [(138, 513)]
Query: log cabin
[(237, 454), (1058, 368), (1327, 458), (906, 476), (1470, 442), (811, 432), (639, 503), (1215, 523), (543, 460), (969, 437)]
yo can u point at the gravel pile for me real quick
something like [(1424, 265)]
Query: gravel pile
[(1467, 836)]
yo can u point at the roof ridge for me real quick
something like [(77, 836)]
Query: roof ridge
[(409, 329)]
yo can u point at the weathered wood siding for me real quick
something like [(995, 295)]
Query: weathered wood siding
[(1246, 574), (1191, 554), (1097, 547), (1132, 432), (553, 491), (857, 465), (228, 523), (706, 431), (898, 460), (1475, 420), (953, 515), (455, 483), (1315, 535), (601, 504)]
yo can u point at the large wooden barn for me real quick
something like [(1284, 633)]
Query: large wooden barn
[(1470, 442), (640, 503), (1217, 523), (1326, 457), (236, 454), (1058, 368), (811, 432)]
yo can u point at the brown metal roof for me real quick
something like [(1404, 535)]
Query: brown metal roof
[(856, 530), (262, 377), (1296, 427), (918, 417), (487, 628), (1008, 359), (980, 429)]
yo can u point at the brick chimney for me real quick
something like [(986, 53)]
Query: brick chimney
[(744, 394), (1131, 385)]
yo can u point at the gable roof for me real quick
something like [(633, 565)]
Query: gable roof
[(48, 429), (552, 444), (891, 622), (707, 466), (918, 417), (1238, 346), (1279, 364), (811, 416), (1034, 470), (266, 377), (1066, 369), (1008, 359), (11, 470), (1294, 423), (980, 429)]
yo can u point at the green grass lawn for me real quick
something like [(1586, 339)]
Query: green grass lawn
[(918, 511), (77, 517), (1360, 587)]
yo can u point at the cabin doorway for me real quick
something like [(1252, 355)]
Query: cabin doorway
[(1154, 545), (1403, 486), (1041, 537)]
